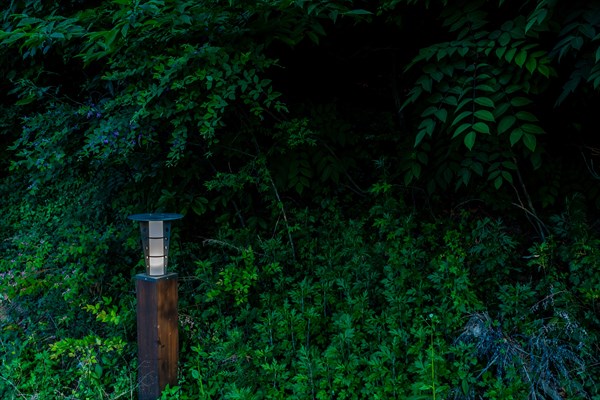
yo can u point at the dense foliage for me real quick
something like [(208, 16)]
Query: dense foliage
[(392, 199)]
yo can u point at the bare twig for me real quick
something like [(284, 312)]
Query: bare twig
[(590, 164), (529, 210), (279, 201), (284, 217), (19, 393), (355, 188), (540, 223), (221, 243)]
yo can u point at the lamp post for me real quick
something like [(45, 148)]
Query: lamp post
[(156, 291)]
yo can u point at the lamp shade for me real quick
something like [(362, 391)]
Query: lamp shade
[(156, 233)]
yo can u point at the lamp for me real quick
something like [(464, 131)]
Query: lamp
[(156, 232), (156, 292)]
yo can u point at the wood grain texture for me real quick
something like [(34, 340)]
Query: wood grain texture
[(158, 336)]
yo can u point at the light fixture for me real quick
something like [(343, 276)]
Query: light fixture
[(157, 316), (156, 233)]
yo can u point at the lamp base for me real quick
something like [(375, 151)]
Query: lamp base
[(158, 336)]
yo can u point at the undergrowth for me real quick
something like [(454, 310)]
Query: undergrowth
[(391, 305)]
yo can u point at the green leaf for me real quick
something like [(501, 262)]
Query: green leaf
[(494, 171), (441, 53), (498, 182), (441, 114), (408, 178), (415, 169), (463, 103), (481, 127), (313, 37), (461, 129), (506, 123), (507, 176), (425, 129), (532, 128), (500, 52), (429, 111), (587, 30), (484, 115), (470, 140), (508, 56), (437, 75), (541, 15), (520, 58), (504, 39), (597, 82), (500, 109), (537, 17), (311, 8), (357, 12), (465, 386), (570, 86), (484, 101), (486, 88), (512, 88), (450, 100), (98, 371), (460, 117), (520, 101), (515, 136), (526, 116), (544, 70), (422, 157), (594, 73), (425, 82), (427, 124), (25, 100), (413, 95), (420, 136), (531, 65), (333, 15), (530, 141)]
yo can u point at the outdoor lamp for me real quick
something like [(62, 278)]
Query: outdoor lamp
[(156, 232), (157, 316)]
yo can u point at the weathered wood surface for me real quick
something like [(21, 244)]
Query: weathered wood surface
[(158, 336)]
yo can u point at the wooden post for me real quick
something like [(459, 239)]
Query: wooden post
[(158, 336)]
